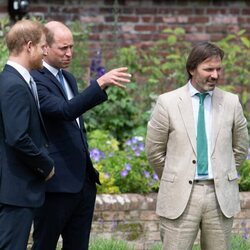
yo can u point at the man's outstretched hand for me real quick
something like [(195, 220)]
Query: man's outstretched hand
[(115, 77)]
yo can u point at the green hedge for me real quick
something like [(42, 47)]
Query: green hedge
[(155, 69)]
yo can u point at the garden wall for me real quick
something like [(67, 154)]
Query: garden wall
[(132, 217), (126, 22)]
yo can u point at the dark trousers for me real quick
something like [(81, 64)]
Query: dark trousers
[(15, 225), (66, 214)]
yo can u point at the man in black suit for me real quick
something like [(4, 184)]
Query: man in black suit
[(24, 161), (70, 196)]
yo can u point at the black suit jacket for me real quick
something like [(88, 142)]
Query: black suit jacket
[(24, 160), (68, 148)]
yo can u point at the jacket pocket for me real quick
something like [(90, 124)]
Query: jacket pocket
[(168, 177), (232, 175)]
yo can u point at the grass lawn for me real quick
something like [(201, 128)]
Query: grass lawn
[(237, 243)]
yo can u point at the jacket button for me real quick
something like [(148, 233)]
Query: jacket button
[(190, 182), (193, 161), (46, 145)]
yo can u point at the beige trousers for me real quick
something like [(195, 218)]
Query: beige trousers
[(202, 212)]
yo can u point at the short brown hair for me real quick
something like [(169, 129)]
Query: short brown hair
[(200, 53), (21, 33)]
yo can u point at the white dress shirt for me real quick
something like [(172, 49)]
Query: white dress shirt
[(208, 124), (23, 71), (69, 92)]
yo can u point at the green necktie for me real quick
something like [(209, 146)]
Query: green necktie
[(202, 158)]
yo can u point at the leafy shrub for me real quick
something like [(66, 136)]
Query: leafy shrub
[(4, 25), (244, 172), (123, 168)]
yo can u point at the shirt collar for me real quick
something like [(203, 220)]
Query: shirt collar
[(53, 70), (193, 90), (22, 71)]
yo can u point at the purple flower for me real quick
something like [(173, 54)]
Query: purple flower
[(146, 174), (137, 152), (100, 71), (155, 177), (96, 155), (134, 140), (106, 175), (124, 173), (96, 69), (128, 142), (127, 166), (248, 156), (141, 146)]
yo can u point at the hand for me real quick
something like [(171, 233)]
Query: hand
[(52, 172), (115, 77)]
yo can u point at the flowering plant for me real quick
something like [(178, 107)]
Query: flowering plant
[(123, 168)]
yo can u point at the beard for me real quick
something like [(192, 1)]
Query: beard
[(37, 63)]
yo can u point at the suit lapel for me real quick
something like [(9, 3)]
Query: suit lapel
[(23, 82), (53, 79), (217, 107), (186, 111)]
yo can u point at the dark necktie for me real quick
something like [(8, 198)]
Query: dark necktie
[(60, 77), (202, 153), (34, 90)]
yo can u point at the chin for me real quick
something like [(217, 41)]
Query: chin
[(210, 88)]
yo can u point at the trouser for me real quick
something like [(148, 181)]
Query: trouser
[(15, 225), (202, 212), (66, 214)]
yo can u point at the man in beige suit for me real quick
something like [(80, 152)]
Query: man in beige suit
[(195, 144)]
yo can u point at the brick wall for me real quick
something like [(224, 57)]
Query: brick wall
[(134, 21), (132, 217)]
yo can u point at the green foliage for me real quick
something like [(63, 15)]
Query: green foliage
[(119, 114), (237, 67), (244, 171), (240, 243), (80, 62), (123, 168), (237, 243), (4, 25), (109, 244)]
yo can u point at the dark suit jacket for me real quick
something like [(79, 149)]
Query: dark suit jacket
[(68, 147), (24, 160)]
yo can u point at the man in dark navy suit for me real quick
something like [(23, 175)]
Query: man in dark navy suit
[(24, 161), (70, 196)]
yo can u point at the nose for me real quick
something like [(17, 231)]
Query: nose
[(215, 74), (45, 51), (69, 52)]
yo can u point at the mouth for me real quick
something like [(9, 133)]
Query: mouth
[(211, 84)]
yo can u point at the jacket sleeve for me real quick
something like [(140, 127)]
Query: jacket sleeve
[(157, 137), (53, 104), (16, 115)]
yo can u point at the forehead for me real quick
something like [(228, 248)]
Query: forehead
[(211, 61), (63, 37)]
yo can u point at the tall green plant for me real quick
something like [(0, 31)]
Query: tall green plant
[(80, 63), (4, 26)]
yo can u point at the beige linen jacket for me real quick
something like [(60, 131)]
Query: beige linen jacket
[(171, 149)]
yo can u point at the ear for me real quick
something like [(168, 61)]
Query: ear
[(191, 72), (29, 46)]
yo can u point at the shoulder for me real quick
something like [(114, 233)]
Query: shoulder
[(225, 95), (174, 95)]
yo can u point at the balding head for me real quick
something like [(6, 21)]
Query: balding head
[(60, 45), (56, 29)]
